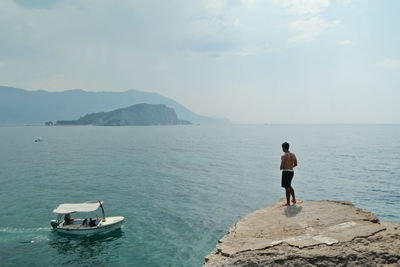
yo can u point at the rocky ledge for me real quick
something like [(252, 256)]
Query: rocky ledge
[(316, 233)]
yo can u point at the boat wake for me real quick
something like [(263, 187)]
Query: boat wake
[(24, 235), (14, 230)]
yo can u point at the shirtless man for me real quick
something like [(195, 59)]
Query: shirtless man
[(288, 162)]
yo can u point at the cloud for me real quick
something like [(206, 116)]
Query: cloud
[(308, 29), (250, 51), (347, 42), (307, 21), (248, 3), (239, 27), (389, 63), (214, 6), (306, 7), (38, 3), (349, 3)]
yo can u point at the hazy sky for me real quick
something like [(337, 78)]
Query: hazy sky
[(252, 61)]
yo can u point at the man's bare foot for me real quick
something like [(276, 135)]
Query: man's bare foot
[(286, 204), (294, 201)]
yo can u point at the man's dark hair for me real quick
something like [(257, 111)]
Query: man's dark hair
[(285, 146)]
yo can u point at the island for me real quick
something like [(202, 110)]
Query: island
[(314, 233), (139, 114)]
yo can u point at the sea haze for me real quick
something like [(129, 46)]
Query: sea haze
[(179, 187), (18, 106)]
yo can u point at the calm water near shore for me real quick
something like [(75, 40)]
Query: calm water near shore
[(179, 187)]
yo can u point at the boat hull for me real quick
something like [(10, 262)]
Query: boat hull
[(111, 224)]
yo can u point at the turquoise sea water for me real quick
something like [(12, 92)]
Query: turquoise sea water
[(179, 187)]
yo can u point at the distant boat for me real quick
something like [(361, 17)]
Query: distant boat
[(38, 140), (67, 225)]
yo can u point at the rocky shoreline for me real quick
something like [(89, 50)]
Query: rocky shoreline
[(316, 233)]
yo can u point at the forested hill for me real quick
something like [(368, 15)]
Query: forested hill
[(139, 114)]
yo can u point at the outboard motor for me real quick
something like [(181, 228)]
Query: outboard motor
[(54, 224)]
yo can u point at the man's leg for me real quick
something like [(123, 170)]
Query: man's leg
[(287, 196), (292, 193)]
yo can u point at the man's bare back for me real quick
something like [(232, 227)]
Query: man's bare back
[(288, 161)]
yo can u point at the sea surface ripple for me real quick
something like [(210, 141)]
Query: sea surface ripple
[(179, 187)]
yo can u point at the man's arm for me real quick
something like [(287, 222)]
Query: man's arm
[(294, 161), (281, 167)]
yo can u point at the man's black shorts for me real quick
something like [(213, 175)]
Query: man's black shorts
[(287, 177)]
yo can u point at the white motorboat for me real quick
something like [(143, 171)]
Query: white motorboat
[(88, 226)]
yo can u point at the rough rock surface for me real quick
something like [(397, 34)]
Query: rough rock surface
[(317, 233)]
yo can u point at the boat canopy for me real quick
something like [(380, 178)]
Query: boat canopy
[(77, 207)]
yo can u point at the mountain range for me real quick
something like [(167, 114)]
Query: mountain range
[(19, 106)]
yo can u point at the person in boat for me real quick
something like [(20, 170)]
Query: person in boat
[(68, 219), (85, 222), (92, 223)]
